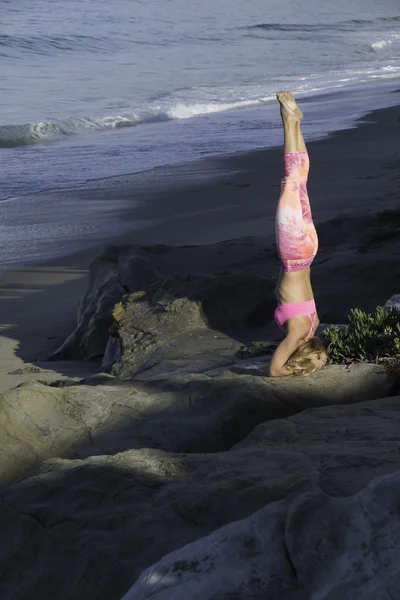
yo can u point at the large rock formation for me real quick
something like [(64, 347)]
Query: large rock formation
[(308, 546), (103, 477), (187, 317), (222, 289), (88, 528), (192, 413), (122, 270)]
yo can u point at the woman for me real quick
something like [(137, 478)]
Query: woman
[(300, 353)]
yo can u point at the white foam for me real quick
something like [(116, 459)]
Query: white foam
[(384, 43), (381, 44), (42, 130), (185, 111), (195, 102), (45, 130)]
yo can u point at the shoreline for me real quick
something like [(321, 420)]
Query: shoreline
[(143, 187), (179, 141), (353, 172)]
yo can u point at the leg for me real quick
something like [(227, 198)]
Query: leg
[(301, 146), (295, 232), (291, 116)]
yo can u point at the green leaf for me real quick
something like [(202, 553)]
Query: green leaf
[(367, 337)]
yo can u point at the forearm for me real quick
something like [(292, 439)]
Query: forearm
[(284, 372), (285, 349)]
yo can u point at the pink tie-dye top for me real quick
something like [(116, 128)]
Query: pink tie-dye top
[(297, 309)]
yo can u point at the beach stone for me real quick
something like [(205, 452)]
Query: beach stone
[(88, 528), (393, 302)]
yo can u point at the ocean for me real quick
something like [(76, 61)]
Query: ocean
[(94, 89)]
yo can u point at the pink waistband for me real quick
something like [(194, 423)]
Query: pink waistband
[(295, 309)]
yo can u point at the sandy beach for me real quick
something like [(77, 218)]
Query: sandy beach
[(354, 176)]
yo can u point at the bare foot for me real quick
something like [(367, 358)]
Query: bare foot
[(289, 109)]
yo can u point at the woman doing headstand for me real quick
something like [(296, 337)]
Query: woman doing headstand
[(300, 353)]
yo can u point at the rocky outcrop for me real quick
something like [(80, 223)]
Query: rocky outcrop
[(187, 317), (103, 477), (109, 279), (133, 269), (88, 528), (207, 412), (223, 291), (100, 478), (309, 546)]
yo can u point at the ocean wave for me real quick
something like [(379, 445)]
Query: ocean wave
[(319, 26), (380, 44), (48, 44), (12, 136), (203, 101), (371, 21), (288, 27), (186, 111)]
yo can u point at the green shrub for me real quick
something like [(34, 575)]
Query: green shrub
[(369, 337)]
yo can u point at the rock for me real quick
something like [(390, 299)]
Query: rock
[(312, 546), (112, 353), (104, 476), (94, 312), (124, 270), (88, 528), (255, 349), (393, 302), (179, 317), (128, 269), (192, 413), (26, 370), (352, 283)]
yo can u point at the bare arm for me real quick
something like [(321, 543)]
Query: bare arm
[(281, 355)]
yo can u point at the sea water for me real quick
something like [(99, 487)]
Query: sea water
[(94, 88)]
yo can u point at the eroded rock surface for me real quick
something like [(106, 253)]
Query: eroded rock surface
[(88, 528), (103, 477), (313, 546), (186, 317), (192, 413), (133, 269), (210, 284)]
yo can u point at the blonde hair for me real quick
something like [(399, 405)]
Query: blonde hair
[(301, 361)]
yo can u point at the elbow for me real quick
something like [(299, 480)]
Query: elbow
[(273, 373), (280, 372)]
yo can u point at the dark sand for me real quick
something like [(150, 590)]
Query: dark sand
[(354, 175)]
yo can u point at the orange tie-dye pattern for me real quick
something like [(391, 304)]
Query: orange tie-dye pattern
[(296, 236)]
